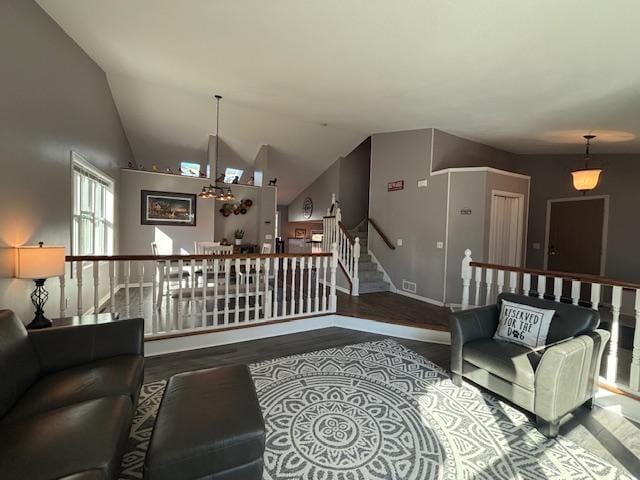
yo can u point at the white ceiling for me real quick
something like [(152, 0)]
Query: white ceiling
[(528, 76)]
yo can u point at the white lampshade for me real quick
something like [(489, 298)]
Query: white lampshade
[(587, 179), (36, 262)]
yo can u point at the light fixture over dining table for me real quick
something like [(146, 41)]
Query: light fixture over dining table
[(213, 191)]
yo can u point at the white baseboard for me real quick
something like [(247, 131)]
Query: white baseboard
[(421, 298), (226, 337)]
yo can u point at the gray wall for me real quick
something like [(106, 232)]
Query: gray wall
[(135, 239), (450, 151), (353, 192), (550, 179), (320, 192), (54, 99), (415, 215)]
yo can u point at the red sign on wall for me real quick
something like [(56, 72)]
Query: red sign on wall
[(397, 185)]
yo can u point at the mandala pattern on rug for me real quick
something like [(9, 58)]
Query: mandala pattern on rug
[(378, 411)]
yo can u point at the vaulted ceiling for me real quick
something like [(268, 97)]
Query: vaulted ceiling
[(527, 76)]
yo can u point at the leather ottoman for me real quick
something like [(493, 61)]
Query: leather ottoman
[(209, 426)]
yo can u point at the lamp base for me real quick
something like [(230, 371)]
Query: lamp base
[(39, 297), (39, 321)]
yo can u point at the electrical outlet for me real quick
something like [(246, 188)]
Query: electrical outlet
[(399, 242), (408, 286), (439, 244)]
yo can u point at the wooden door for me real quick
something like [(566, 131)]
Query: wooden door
[(576, 235)]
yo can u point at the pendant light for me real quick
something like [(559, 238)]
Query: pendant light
[(214, 191), (587, 178)]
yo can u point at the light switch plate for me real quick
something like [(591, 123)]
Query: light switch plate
[(536, 246), (439, 244), (422, 183), (268, 237), (399, 242)]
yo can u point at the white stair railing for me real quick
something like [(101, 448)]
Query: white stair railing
[(487, 281), (348, 247), (179, 293)]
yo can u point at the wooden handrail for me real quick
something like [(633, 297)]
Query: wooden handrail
[(346, 233), (566, 275), (382, 235), (329, 216), (113, 258)]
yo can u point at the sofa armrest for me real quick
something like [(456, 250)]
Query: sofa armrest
[(469, 325), (64, 347), (567, 375)]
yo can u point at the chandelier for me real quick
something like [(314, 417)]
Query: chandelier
[(213, 191), (586, 178)]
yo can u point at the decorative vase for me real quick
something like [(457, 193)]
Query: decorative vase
[(238, 241)]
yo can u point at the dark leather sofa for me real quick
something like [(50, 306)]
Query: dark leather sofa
[(67, 397)]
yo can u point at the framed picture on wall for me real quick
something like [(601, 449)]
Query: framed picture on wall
[(167, 208), (300, 232)]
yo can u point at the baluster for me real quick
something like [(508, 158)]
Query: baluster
[(466, 274), (301, 292), (309, 267), (557, 289), (216, 282), (293, 286), (316, 298), (333, 299), (542, 286), (79, 270), (170, 321), (227, 279), (192, 300), (285, 267), (595, 295), (356, 266), (63, 300), (141, 288), (276, 268), (513, 282), (634, 374), (500, 282), (154, 290), (478, 281), (256, 299), (127, 278), (612, 359), (266, 304), (526, 284), (489, 283), (112, 279), (575, 292), (205, 266), (179, 318), (236, 316), (96, 287), (325, 262), (247, 309)]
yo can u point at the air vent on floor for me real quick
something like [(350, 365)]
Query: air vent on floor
[(408, 286)]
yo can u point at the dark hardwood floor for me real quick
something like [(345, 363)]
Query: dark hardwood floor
[(606, 434)]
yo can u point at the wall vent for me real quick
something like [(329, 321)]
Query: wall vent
[(408, 286)]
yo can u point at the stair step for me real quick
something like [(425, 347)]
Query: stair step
[(370, 275), (365, 258), (372, 287), (362, 266)]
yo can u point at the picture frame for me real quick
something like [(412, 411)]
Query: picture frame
[(300, 232), (167, 208)]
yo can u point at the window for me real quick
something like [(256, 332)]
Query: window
[(190, 169), (93, 205), (231, 173)]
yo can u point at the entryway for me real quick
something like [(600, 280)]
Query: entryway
[(506, 230), (576, 235)]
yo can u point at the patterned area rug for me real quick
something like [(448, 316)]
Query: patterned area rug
[(380, 411)]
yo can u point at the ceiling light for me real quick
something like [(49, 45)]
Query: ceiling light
[(587, 178)]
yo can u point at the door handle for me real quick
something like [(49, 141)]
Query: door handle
[(552, 250)]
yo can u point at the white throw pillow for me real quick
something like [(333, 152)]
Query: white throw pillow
[(523, 324)]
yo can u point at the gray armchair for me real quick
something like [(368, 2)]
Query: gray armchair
[(549, 382)]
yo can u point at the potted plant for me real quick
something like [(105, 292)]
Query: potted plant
[(239, 235)]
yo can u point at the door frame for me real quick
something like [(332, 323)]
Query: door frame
[(521, 222), (605, 226)]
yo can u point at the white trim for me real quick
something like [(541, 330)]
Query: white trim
[(605, 226), (481, 169), (446, 238), (521, 222), (421, 298), (385, 276), (433, 137), (338, 287), (226, 337)]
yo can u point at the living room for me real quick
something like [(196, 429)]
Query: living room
[(282, 240)]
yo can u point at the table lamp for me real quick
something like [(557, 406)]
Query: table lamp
[(38, 264)]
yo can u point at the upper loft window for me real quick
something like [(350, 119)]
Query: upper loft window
[(231, 173), (190, 169), (93, 209)]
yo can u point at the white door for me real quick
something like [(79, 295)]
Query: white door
[(506, 229)]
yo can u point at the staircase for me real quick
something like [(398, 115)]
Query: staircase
[(371, 279)]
